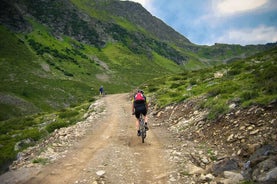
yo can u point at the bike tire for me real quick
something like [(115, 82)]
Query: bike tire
[(142, 129), (143, 134)]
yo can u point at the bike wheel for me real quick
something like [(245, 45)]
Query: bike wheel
[(142, 129), (142, 135)]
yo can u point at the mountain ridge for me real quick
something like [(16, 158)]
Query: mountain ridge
[(141, 17)]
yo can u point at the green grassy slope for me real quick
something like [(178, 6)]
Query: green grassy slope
[(244, 82), (29, 80), (44, 73)]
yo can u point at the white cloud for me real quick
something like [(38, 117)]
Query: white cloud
[(235, 6), (259, 35)]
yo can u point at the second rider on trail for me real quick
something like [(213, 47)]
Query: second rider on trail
[(140, 106)]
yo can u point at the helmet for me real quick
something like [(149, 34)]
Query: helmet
[(140, 91)]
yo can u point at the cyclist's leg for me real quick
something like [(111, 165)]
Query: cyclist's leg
[(137, 114), (137, 123), (145, 118)]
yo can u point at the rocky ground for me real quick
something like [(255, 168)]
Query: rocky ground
[(181, 147), (238, 147)]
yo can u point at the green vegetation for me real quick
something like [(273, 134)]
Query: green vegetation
[(49, 74), (34, 128), (212, 155), (244, 82), (42, 161)]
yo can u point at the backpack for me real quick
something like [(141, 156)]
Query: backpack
[(139, 97)]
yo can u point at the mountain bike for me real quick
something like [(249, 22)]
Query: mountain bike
[(142, 128)]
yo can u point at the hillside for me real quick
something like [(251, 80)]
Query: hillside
[(59, 45), (229, 113), (53, 58), (243, 83)]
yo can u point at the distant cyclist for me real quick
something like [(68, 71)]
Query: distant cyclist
[(101, 90), (140, 106)]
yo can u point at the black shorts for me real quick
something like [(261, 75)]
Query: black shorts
[(140, 110)]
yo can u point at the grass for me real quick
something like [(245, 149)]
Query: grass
[(42, 161), (245, 82), (42, 73), (35, 128), (121, 59)]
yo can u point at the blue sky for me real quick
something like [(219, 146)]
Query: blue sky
[(206, 22)]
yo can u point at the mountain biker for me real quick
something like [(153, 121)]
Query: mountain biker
[(140, 106)]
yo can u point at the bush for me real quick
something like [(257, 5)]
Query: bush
[(68, 114), (55, 125), (192, 82), (214, 91), (216, 109), (247, 95), (42, 161), (175, 85), (266, 79), (32, 133)]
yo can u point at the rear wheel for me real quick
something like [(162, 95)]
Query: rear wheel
[(143, 134), (142, 129)]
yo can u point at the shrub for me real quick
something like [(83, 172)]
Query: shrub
[(55, 125), (68, 74), (247, 95), (68, 114), (192, 82), (42, 161), (32, 133), (214, 91), (266, 79), (152, 89), (175, 85), (217, 108)]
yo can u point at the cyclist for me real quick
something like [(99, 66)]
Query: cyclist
[(101, 90), (140, 106)]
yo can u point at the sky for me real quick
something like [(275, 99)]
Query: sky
[(206, 22)]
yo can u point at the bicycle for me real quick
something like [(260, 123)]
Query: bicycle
[(142, 128)]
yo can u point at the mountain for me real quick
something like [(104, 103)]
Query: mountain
[(56, 54), (137, 15)]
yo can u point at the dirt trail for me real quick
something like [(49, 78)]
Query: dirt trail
[(110, 147)]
